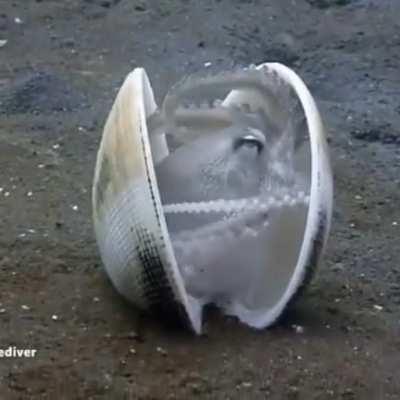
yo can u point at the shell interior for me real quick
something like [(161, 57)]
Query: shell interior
[(235, 187)]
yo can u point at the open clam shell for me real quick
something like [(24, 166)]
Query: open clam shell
[(228, 203)]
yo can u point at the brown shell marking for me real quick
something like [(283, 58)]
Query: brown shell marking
[(117, 164)]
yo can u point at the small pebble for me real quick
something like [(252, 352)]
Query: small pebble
[(337, 267), (348, 393), (41, 166), (18, 20), (140, 7), (293, 391), (29, 194), (56, 146), (207, 64), (132, 335), (54, 317), (6, 194), (96, 299), (2, 310), (132, 351), (162, 351), (75, 207), (25, 307), (394, 223), (378, 307), (298, 329), (3, 42)]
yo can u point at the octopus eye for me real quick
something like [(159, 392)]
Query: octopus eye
[(249, 141)]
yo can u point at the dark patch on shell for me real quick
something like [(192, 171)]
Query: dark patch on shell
[(311, 265), (314, 257), (104, 179), (156, 287)]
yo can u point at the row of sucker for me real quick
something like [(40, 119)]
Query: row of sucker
[(192, 120), (250, 214), (237, 205), (243, 220), (180, 109), (199, 88), (227, 231), (232, 226)]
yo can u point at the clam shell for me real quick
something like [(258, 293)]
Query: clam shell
[(129, 218), (130, 228)]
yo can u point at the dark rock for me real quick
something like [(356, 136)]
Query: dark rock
[(322, 4), (140, 7)]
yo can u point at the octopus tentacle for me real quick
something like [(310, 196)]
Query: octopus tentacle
[(212, 115), (244, 219), (238, 205)]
